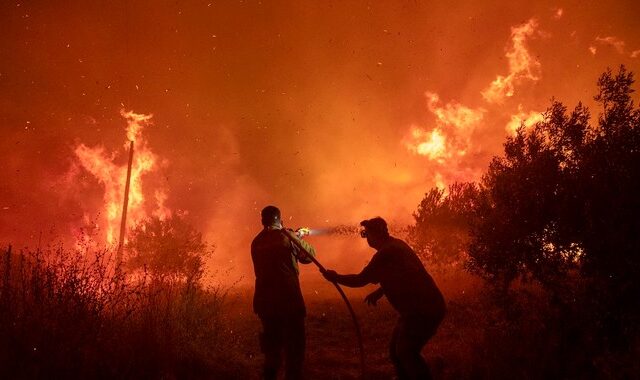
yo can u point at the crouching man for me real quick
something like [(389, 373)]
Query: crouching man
[(409, 289)]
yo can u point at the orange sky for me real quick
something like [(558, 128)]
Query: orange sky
[(317, 107)]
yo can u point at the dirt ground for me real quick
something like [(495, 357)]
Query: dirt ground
[(332, 351)]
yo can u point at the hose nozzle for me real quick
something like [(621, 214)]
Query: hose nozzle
[(303, 231)]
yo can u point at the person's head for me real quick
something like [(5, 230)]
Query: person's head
[(271, 217), (375, 230)]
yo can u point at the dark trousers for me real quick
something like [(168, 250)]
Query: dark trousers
[(283, 334), (409, 337)]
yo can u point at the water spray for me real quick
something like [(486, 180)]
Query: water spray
[(344, 230), (341, 229)]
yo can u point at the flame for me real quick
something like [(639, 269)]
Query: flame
[(452, 134), (113, 177), (135, 123), (448, 142), (98, 163), (522, 65), (457, 115), (523, 119), (558, 13), (432, 145)]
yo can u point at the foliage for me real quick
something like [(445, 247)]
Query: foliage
[(71, 314), (564, 196), (440, 234), (559, 209), (168, 249), (527, 207)]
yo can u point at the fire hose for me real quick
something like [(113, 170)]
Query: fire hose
[(293, 236)]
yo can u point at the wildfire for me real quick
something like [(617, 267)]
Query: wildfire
[(112, 176), (451, 137), (454, 138), (449, 141), (522, 65), (523, 119), (432, 145)]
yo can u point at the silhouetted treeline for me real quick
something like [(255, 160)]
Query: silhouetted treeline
[(559, 210)]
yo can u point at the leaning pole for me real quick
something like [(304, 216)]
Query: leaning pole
[(125, 205)]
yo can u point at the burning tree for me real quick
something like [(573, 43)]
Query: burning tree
[(113, 177)]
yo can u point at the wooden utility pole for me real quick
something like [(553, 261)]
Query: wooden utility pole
[(125, 204)]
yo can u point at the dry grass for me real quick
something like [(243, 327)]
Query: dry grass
[(71, 315)]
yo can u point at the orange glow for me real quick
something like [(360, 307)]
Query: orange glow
[(333, 111)]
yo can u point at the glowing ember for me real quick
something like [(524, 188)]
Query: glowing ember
[(113, 176)]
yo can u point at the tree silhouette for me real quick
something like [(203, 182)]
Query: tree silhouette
[(528, 209), (559, 207), (169, 250), (563, 201), (440, 234)]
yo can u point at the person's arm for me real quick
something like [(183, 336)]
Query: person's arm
[(351, 280), (373, 297), (369, 275), (301, 255)]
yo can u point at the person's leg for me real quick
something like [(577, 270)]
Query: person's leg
[(393, 353), (295, 348), (413, 334), (271, 341)]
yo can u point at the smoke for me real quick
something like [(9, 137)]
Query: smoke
[(310, 106), (612, 41)]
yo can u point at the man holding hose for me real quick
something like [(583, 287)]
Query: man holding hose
[(409, 289), (277, 299)]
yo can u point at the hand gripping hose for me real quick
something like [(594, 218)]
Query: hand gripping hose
[(356, 324)]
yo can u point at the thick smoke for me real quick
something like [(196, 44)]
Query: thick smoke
[(305, 105)]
